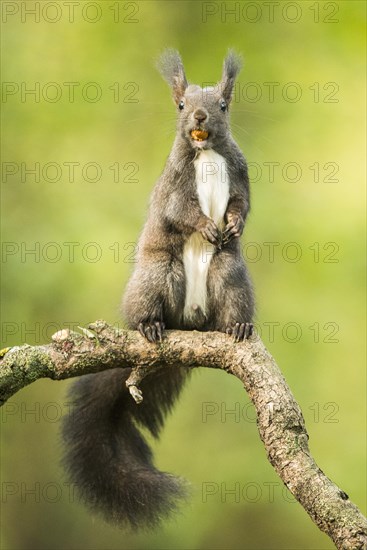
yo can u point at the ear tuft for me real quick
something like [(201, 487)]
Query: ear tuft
[(171, 68), (231, 67)]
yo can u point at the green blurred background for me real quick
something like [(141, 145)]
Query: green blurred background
[(311, 52)]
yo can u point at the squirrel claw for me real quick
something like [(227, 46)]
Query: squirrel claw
[(240, 331), (152, 331), (233, 228), (210, 231)]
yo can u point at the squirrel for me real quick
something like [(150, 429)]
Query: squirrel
[(190, 274)]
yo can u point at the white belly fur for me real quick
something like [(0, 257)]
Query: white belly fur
[(212, 185)]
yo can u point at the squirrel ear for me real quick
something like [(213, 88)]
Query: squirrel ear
[(171, 68), (231, 67)]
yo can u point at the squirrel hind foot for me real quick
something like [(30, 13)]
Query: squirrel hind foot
[(240, 331), (152, 330)]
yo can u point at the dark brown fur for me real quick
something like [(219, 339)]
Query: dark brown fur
[(155, 294), (106, 456)]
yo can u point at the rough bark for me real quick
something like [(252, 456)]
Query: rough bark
[(280, 422)]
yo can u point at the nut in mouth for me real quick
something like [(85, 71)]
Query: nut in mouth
[(199, 135)]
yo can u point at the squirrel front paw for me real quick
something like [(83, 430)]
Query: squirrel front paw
[(234, 227), (240, 331), (209, 231), (152, 330)]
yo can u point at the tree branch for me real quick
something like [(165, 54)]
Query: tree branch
[(279, 418)]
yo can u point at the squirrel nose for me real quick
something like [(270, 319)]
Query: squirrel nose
[(200, 116)]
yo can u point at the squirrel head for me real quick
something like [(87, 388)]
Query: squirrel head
[(203, 118)]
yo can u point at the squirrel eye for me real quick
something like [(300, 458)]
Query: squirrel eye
[(223, 105), (181, 105)]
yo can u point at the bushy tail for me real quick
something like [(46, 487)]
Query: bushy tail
[(106, 456)]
